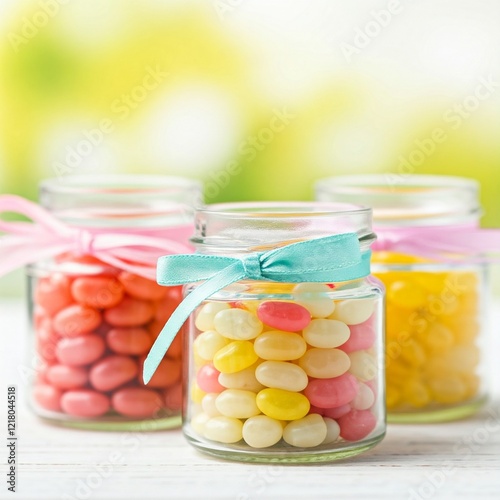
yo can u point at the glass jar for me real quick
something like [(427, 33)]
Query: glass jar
[(436, 299), (94, 322), (279, 371)]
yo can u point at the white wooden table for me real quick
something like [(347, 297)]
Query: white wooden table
[(452, 460)]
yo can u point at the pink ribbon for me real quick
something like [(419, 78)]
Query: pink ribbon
[(136, 251), (445, 243)]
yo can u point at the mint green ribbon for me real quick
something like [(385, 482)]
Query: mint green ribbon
[(325, 260)]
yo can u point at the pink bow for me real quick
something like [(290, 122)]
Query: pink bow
[(46, 237)]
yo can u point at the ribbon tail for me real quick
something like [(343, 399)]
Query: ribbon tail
[(234, 272)]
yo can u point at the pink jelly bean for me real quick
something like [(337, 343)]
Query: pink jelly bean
[(100, 292), (332, 392), (285, 316), (112, 372), (173, 397), (76, 320), (141, 288), (47, 396), (208, 379), (46, 340), (362, 336), (84, 403), (53, 293), (130, 312), (133, 341), (67, 377), (338, 412), (167, 373), (79, 351), (137, 402), (357, 424)]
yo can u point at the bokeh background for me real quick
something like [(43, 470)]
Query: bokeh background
[(259, 98)]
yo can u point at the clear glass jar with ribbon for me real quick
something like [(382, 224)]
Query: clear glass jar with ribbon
[(433, 258), (91, 250), (284, 332)]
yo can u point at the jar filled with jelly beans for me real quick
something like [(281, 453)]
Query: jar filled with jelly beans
[(279, 371), (94, 322), (436, 301)]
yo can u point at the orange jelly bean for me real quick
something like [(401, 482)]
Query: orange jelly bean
[(130, 312), (99, 292)]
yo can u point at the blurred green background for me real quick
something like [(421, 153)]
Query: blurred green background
[(259, 98)]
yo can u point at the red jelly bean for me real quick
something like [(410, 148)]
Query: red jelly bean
[(338, 412), (332, 392), (133, 341), (285, 316), (362, 336), (112, 372), (141, 288), (53, 293), (130, 312), (137, 402), (80, 351), (67, 377), (208, 379), (76, 320), (357, 424), (84, 403), (100, 292), (47, 396)]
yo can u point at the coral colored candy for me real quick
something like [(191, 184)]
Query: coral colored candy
[(237, 324), (362, 336), (208, 379), (135, 341), (46, 340), (223, 429), (206, 315), (141, 288), (338, 412), (325, 363), (173, 397), (79, 351), (357, 424), (76, 320), (53, 293), (326, 333), (130, 312), (67, 377), (167, 373), (236, 403), (333, 392), (286, 316), (280, 346), (235, 356), (167, 305), (84, 403), (261, 431), (136, 402), (306, 432), (282, 405), (99, 292), (175, 349), (48, 396), (282, 375), (112, 372)]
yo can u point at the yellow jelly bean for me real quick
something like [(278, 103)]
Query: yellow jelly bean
[(208, 343), (205, 318), (243, 379), (197, 394), (447, 390), (261, 431), (235, 357), (325, 363), (392, 396), (396, 258), (416, 394), (414, 354), (406, 294), (237, 403), (438, 339), (280, 346), (326, 333), (237, 324), (433, 282), (282, 375), (306, 432), (282, 405), (224, 429)]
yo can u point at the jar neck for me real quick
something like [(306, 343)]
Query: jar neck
[(238, 228)]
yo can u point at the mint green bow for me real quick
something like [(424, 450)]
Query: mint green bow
[(325, 260)]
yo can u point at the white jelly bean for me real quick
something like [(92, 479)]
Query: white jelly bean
[(364, 399), (237, 324), (306, 432), (208, 343), (280, 346), (244, 380), (354, 311), (198, 422), (208, 404), (223, 429), (332, 430), (326, 333), (205, 318), (237, 403), (262, 431), (363, 365), (325, 363), (282, 375), (313, 296)]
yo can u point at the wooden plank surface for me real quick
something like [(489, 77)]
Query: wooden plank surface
[(451, 460)]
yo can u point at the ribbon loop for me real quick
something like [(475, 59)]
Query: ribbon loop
[(251, 266)]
